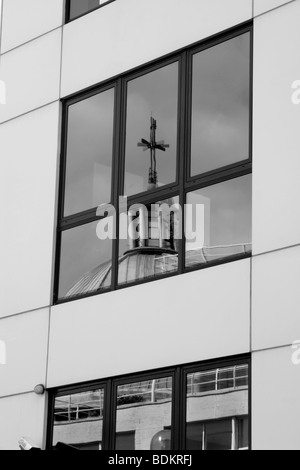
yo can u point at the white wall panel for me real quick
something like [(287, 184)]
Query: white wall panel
[(24, 20), (26, 340), (276, 162), (197, 316), (29, 154), (21, 416), (262, 6), (32, 75), (276, 298), (275, 398), (126, 34)]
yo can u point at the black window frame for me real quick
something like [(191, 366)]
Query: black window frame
[(179, 375), (184, 184), (68, 18)]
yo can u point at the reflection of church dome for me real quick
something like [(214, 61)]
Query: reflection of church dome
[(134, 266)]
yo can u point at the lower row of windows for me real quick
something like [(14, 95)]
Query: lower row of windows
[(199, 407)]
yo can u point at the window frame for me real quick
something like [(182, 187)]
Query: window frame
[(179, 375), (68, 18), (184, 184)]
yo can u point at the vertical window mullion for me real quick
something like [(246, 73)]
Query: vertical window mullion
[(178, 403), (106, 417), (116, 178), (183, 150)]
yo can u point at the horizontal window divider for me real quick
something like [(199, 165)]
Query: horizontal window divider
[(219, 176), (150, 197), (217, 39), (83, 296), (148, 280), (80, 219), (89, 92), (219, 262)]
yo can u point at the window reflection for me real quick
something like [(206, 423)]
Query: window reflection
[(218, 222), (154, 94), (78, 420), (217, 409), (144, 414), (89, 153), (150, 248), (83, 252), (79, 7), (220, 105)]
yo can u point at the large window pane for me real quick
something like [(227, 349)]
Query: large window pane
[(220, 105), (217, 410), (79, 7), (156, 95), (78, 420), (218, 222), (144, 415), (89, 153), (150, 245), (85, 264)]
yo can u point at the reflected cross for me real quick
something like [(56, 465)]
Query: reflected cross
[(153, 146)]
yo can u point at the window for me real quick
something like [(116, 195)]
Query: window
[(78, 419), (144, 409), (156, 171), (221, 394), (78, 8), (141, 412)]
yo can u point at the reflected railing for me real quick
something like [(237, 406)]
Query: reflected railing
[(73, 408), (207, 254), (230, 378)]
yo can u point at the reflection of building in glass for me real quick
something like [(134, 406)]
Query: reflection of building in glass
[(216, 413)]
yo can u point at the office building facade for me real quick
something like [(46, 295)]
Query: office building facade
[(150, 239)]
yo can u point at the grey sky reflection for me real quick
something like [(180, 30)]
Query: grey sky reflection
[(220, 113), (89, 154), (81, 252), (155, 93), (229, 214)]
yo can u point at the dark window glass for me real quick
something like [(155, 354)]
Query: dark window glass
[(144, 410), (220, 105), (156, 95), (78, 420), (216, 410), (218, 222), (219, 435), (85, 264), (243, 430), (89, 153), (241, 376), (79, 7), (151, 246)]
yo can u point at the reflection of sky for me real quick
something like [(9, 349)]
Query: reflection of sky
[(89, 157), (230, 211), (155, 93), (220, 129), (78, 7), (81, 252)]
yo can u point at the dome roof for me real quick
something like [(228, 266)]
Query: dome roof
[(150, 262), (135, 265)]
